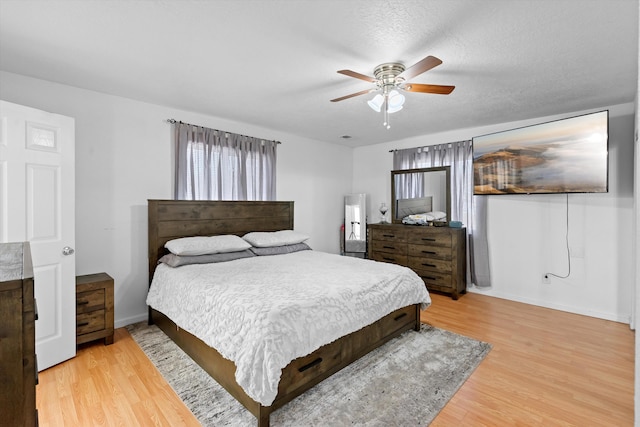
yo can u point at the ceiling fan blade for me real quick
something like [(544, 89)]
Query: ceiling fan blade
[(425, 65), (437, 89), (357, 75), (362, 92)]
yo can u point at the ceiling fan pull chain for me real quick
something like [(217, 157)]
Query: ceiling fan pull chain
[(385, 107)]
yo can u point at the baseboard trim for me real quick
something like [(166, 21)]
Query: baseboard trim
[(569, 309), (121, 323)]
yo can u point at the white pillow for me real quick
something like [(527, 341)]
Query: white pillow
[(437, 215), (204, 245), (267, 239)]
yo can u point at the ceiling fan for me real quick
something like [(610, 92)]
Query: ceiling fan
[(391, 76)]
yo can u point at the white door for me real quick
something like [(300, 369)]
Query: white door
[(37, 204)]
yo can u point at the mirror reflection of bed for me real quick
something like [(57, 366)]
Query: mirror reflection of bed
[(416, 206), (420, 191)]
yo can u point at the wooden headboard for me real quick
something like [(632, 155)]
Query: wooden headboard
[(171, 219)]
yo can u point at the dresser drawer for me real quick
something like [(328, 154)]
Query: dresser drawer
[(389, 257), (389, 234), (430, 252), (434, 238), (90, 322), (435, 280), (437, 254), (430, 264), (389, 247), (89, 301)]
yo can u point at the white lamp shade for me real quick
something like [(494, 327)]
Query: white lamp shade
[(396, 100), (376, 103)]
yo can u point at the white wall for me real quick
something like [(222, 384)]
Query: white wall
[(636, 300), (124, 157), (527, 233)]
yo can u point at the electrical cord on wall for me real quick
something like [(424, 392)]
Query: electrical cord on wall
[(568, 252)]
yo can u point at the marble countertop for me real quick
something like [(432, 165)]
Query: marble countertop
[(12, 261)]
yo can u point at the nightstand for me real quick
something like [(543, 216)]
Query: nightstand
[(94, 308)]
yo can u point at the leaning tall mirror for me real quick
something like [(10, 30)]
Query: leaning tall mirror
[(355, 225), (419, 191)]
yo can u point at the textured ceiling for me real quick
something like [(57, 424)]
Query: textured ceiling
[(273, 63)]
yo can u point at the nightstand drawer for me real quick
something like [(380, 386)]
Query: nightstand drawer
[(89, 322), (94, 308), (89, 301)]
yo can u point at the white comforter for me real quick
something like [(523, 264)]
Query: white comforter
[(263, 312)]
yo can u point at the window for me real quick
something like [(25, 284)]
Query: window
[(217, 165)]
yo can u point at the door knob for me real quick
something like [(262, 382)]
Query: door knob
[(67, 250)]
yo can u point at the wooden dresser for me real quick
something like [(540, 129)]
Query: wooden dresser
[(94, 308), (18, 370), (436, 254)]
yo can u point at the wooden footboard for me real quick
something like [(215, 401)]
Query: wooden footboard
[(302, 373)]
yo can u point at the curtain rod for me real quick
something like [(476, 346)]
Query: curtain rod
[(174, 121), (426, 147)]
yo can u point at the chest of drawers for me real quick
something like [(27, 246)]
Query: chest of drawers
[(18, 366), (436, 254), (94, 308)]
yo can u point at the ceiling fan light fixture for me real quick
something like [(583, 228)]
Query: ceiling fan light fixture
[(395, 102), (376, 103), (391, 77)]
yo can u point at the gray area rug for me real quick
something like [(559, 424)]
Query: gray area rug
[(407, 381)]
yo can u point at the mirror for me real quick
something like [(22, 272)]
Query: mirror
[(355, 224), (417, 191)]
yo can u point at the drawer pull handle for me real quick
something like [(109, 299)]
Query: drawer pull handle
[(310, 365), (82, 324), (83, 302), (388, 259), (429, 252), (428, 277), (389, 235), (429, 239), (389, 247), (429, 265), (400, 316)]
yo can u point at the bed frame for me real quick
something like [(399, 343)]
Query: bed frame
[(170, 219)]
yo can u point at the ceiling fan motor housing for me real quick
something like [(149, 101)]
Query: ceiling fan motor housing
[(387, 75)]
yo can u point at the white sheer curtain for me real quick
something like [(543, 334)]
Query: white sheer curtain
[(218, 165), (465, 207)]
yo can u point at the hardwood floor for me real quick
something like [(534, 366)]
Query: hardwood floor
[(114, 385), (546, 368)]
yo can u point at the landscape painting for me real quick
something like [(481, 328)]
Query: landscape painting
[(563, 156)]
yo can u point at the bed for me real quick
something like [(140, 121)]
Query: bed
[(171, 219)]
